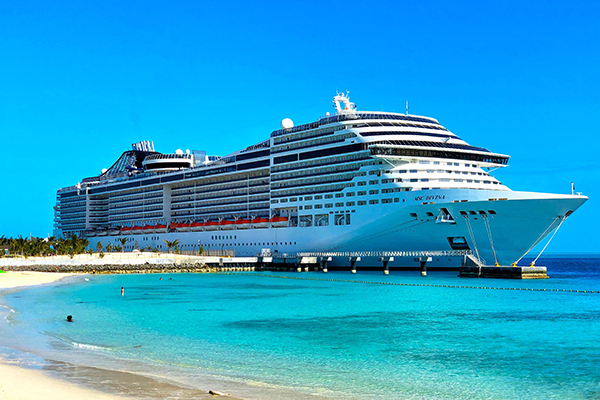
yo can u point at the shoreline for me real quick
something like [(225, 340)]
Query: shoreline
[(20, 382), (26, 376), (19, 378)]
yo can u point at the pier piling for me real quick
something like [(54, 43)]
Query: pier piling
[(324, 261), (353, 261), (386, 260), (423, 261)]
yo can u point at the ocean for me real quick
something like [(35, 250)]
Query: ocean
[(268, 335)]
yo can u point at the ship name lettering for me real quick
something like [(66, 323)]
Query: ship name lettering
[(432, 197)]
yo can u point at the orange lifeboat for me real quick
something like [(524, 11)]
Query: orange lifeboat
[(137, 230), (242, 223), (211, 225), (197, 226), (184, 227), (279, 222), (160, 228), (126, 230), (260, 222), (226, 224)]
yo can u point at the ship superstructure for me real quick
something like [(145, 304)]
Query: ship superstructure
[(351, 181)]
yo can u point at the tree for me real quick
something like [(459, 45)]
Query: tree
[(171, 244), (17, 245), (123, 241), (99, 247), (109, 247)]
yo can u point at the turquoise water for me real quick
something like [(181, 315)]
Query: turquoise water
[(269, 336)]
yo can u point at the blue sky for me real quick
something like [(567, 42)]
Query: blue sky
[(80, 82)]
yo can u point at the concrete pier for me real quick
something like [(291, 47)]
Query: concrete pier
[(474, 271)]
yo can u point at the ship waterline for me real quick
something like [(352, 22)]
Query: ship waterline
[(352, 181)]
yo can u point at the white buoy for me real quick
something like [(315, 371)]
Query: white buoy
[(299, 269)]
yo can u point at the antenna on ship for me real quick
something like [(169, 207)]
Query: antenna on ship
[(406, 107), (572, 188)]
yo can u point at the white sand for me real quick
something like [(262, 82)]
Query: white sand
[(13, 279), (18, 383)]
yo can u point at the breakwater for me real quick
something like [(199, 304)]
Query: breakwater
[(128, 263)]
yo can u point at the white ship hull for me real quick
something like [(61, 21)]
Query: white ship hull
[(521, 221)]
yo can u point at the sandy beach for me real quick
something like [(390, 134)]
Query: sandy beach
[(22, 383), (12, 279)]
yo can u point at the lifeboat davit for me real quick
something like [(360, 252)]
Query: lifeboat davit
[(211, 225), (226, 224), (279, 222), (242, 223), (197, 226), (260, 222), (126, 230)]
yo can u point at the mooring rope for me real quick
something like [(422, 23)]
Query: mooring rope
[(488, 228), (551, 237), (539, 239), (470, 229)]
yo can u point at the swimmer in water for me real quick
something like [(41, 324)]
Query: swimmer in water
[(122, 291), (69, 318)]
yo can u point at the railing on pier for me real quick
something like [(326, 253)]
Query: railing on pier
[(424, 253)]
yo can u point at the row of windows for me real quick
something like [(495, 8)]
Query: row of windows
[(249, 244), (396, 123), (365, 157), (317, 171), (414, 133), (307, 135), (314, 181), (205, 204), (314, 142), (134, 217), (309, 155), (403, 152), (215, 187), (211, 211)]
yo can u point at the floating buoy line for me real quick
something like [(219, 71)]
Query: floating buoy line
[(417, 284)]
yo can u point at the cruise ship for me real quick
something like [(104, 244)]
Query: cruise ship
[(352, 181)]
